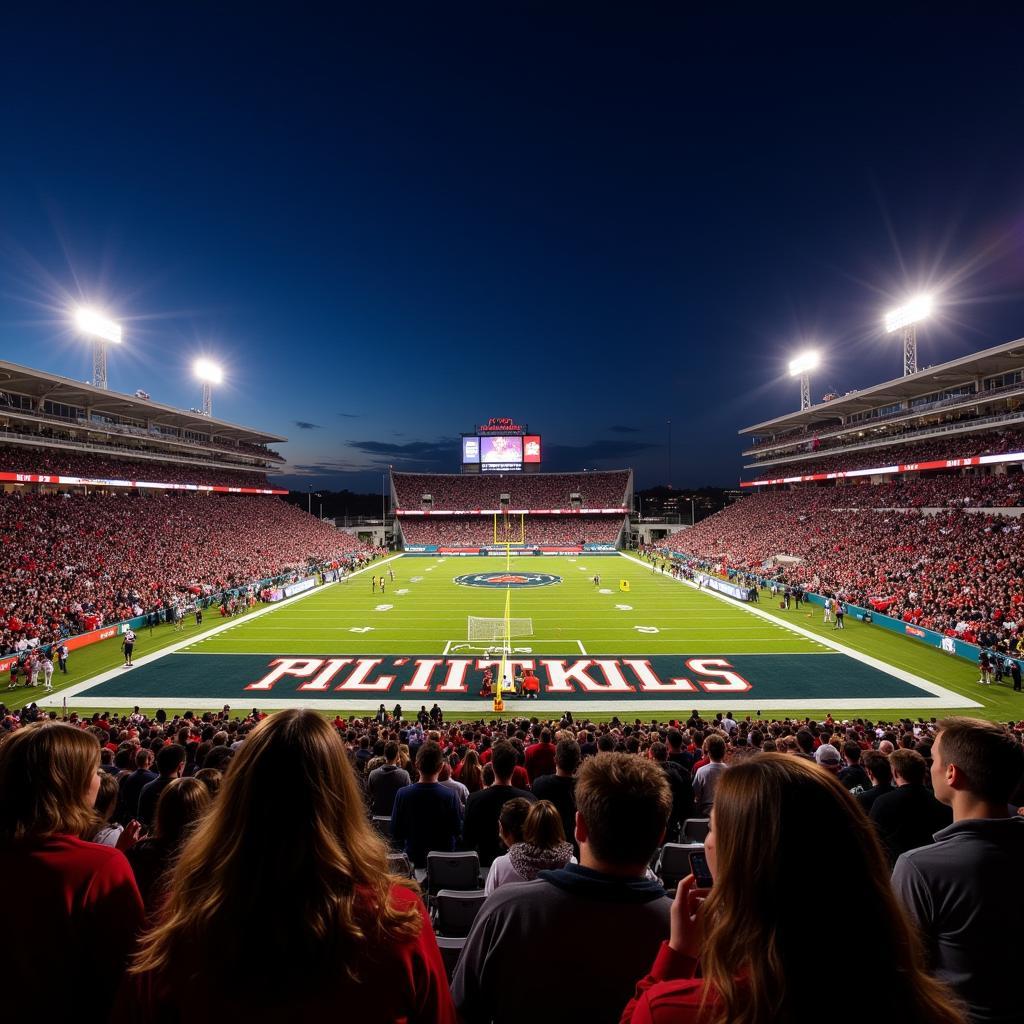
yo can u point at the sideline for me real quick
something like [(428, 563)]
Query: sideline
[(947, 698), (57, 699)]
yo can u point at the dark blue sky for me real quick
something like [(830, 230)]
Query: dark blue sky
[(388, 230)]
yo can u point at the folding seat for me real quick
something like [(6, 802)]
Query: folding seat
[(695, 830), (455, 912), (674, 863)]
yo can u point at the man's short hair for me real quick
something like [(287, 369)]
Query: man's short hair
[(805, 740), (503, 759), (909, 765), (170, 757), (390, 750), (605, 744), (716, 748), (429, 758), (545, 735), (986, 753), (625, 802), (878, 765), (567, 755), (852, 751), (659, 752)]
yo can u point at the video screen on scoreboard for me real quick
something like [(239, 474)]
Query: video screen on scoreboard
[(501, 452), (470, 450), (531, 448)]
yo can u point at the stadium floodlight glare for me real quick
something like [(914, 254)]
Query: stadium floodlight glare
[(905, 319), (103, 331), (917, 309), (801, 367), (209, 373), (803, 364)]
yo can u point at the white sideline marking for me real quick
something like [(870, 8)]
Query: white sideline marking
[(583, 649), (623, 607), (56, 700), (647, 629), (947, 698), (403, 591), (604, 590), (361, 629), (415, 579), (384, 607)]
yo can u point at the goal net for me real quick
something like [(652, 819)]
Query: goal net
[(482, 628)]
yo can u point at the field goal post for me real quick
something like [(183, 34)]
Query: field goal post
[(505, 531)]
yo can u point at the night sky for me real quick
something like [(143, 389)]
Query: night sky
[(389, 230)]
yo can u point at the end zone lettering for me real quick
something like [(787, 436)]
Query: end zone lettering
[(665, 675)]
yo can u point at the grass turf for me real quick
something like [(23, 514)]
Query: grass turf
[(427, 612)]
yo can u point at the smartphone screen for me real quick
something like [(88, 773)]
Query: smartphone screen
[(700, 869)]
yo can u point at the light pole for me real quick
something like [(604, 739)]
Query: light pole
[(801, 367), (209, 373), (692, 518), (905, 319), (102, 331)]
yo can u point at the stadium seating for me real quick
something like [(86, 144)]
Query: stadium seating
[(958, 572), (954, 446), (68, 564), (544, 530), (526, 491), (61, 462)]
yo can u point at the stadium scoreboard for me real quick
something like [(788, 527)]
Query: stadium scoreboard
[(501, 445)]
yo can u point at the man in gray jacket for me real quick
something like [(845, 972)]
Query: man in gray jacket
[(965, 890), (384, 782), (600, 921)]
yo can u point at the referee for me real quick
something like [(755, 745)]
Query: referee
[(128, 645)]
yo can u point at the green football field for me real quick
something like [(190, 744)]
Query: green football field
[(636, 641)]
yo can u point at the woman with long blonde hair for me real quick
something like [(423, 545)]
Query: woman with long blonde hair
[(784, 836), (285, 881)]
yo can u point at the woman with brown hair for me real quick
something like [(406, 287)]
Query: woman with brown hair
[(784, 833), (541, 846), (182, 803), (73, 899), (469, 772), (285, 876)]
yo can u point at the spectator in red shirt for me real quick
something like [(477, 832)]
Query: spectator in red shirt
[(540, 757), (765, 854), (286, 871), (74, 900)]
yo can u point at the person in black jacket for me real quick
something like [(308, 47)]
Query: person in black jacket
[(876, 767), (483, 808), (682, 790), (853, 776), (909, 816), (560, 788)]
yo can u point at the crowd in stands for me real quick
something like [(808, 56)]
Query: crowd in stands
[(951, 446), (526, 490), (960, 573), (165, 858), (974, 489), (69, 564), (61, 462), (478, 531)]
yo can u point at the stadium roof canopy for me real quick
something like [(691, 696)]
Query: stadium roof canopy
[(51, 387), (987, 363)]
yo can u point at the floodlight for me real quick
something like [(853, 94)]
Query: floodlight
[(208, 371), (803, 363), (97, 326), (918, 308)]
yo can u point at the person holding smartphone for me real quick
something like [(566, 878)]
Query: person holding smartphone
[(765, 859)]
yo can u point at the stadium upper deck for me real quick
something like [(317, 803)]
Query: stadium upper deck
[(42, 414), (934, 412)]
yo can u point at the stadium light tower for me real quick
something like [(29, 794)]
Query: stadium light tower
[(905, 319), (801, 367), (102, 331), (210, 374)]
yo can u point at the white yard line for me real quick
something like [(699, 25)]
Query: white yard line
[(583, 649), (57, 699), (945, 696)]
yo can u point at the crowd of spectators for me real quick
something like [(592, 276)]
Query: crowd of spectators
[(455, 492), (478, 531), (974, 489), (960, 573), (951, 446), (73, 563), (251, 844), (62, 462)]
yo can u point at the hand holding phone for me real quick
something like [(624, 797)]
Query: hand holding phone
[(700, 869)]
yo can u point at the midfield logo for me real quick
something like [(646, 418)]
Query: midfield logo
[(501, 580)]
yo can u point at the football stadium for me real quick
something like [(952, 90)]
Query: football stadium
[(485, 742)]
